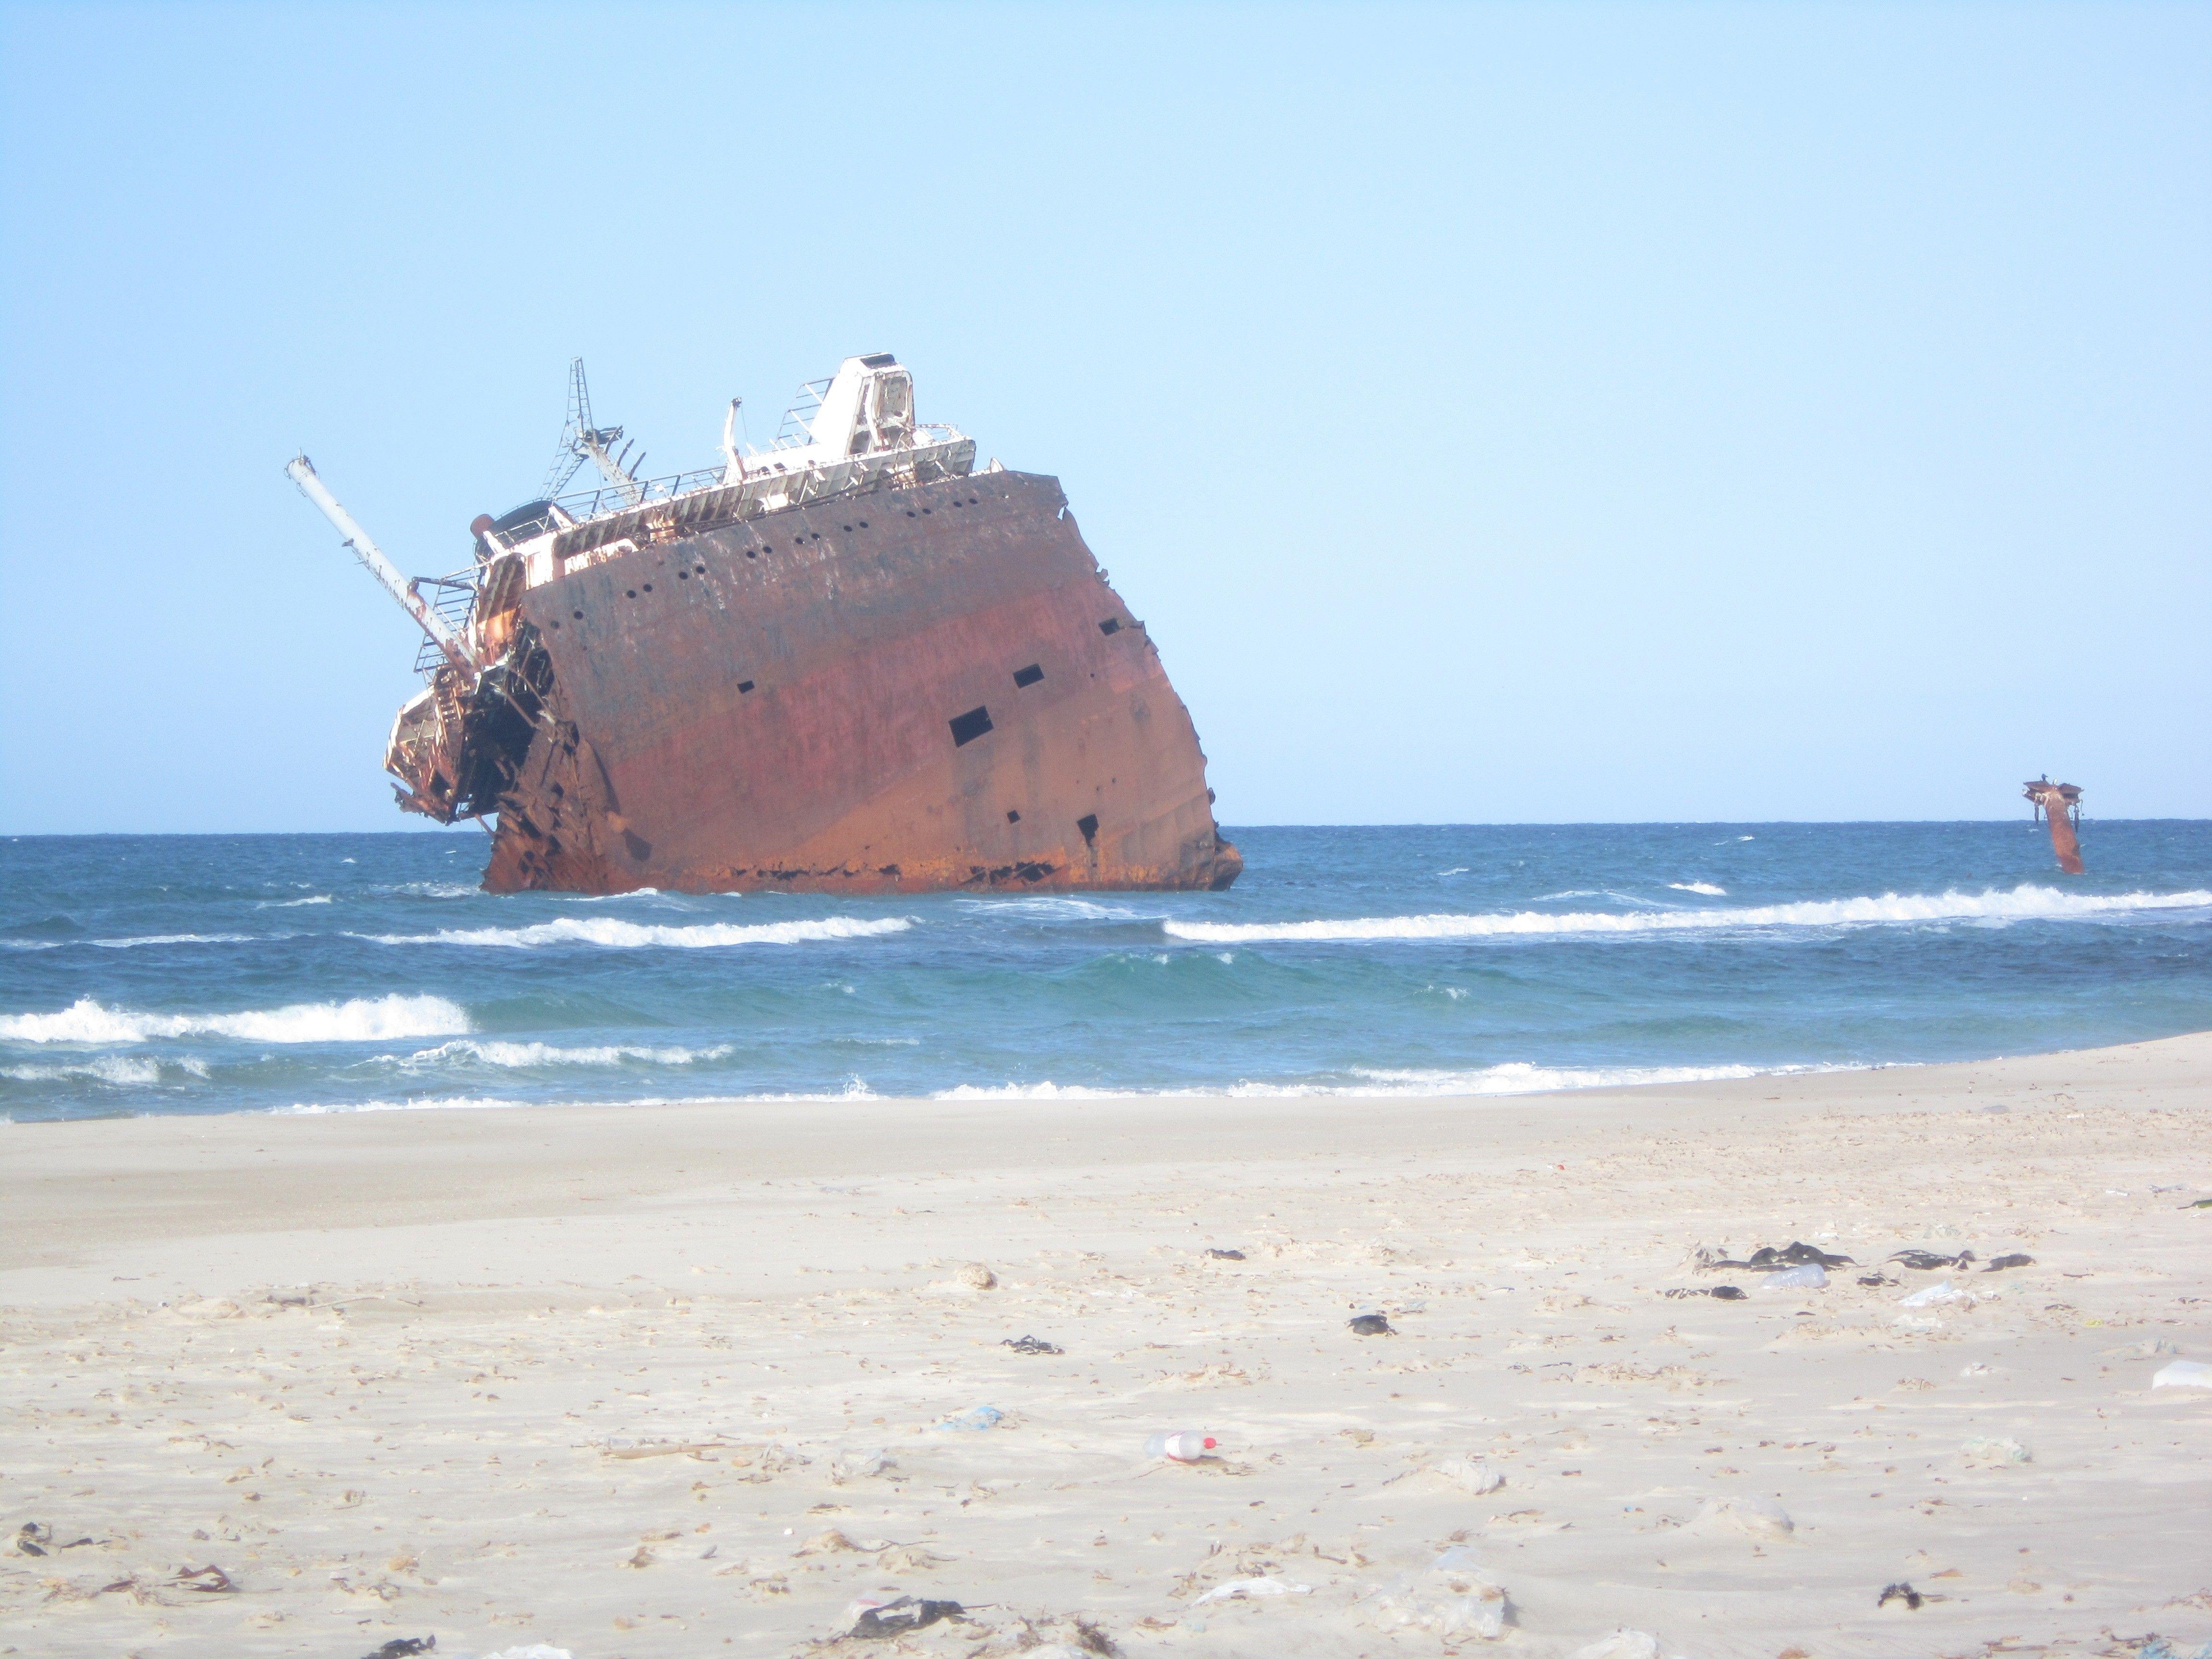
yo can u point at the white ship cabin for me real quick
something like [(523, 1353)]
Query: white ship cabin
[(854, 431)]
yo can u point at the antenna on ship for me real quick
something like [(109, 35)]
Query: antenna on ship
[(581, 442)]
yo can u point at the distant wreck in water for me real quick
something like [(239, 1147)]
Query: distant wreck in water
[(2062, 803), (846, 662)]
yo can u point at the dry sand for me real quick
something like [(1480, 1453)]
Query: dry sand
[(661, 1380)]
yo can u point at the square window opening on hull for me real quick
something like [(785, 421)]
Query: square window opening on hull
[(967, 727), (1029, 676)]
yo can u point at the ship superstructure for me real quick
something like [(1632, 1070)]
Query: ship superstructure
[(847, 660)]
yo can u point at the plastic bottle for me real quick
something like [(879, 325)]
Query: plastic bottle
[(1179, 1445)]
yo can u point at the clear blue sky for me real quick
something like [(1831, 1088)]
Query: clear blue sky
[(1521, 412)]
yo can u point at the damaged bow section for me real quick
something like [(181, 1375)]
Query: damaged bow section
[(846, 661), (2060, 802)]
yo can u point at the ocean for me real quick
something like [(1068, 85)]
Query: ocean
[(332, 973)]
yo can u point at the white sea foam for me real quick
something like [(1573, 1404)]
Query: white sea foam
[(363, 1019), (548, 1053), (854, 1089), (117, 1069), (293, 904), (1516, 1078), (439, 889), (2023, 903), (171, 938), (1049, 907), (1704, 887), (616, 934)]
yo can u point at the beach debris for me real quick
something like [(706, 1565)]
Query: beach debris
[(1900, 1592), (1938, 1295), (1453, 1596), (1768, 1259), (1227, 1256), (2149, 1348), (1718, 1292), (833, 1543), (2157, 1647), (1874, 1280), (1753, 1517), (900, 1617), (1469, 1474), (1623, 1644), (1927, 1261), (1371, 1325), (2197, 1204), (1998, 1264), (34, 1539), (209, 1580), (2183, 1374), (626, 1450), (1181, 1445), (976, 1277), (1237, 1589), (1808, 1277), (404, 1647), (1995, 1453), (974, 1418), (859, 1465), (1030, 1345)]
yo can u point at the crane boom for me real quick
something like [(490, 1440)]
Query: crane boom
[(302, 471)]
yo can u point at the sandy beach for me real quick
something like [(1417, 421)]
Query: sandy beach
[(706, 1379)]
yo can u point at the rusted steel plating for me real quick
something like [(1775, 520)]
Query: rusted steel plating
[(2062, 803)]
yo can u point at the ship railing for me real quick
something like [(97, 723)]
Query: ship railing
[(797, 428), (453, 597)]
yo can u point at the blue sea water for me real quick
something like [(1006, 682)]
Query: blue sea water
[(335, 973)]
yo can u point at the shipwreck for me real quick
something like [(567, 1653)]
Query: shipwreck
[(845, 662)]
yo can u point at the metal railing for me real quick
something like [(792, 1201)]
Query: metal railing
[(454, 599)]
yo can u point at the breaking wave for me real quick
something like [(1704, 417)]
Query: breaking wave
[(1705, 887), (548, 1053), (171, 938), (2023, 903), (293, 904), (1516, 1077), (363, 1019), (616, 934)]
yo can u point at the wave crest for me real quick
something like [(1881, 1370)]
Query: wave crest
[(2026, 902), (363, 1019), (614, 933), (548, 1053)]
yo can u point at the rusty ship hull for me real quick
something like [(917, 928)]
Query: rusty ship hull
[(908, 691)]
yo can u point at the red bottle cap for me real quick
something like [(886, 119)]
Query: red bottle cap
[(1210, 1443)]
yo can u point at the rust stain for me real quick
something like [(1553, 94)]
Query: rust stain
[(905, 691)]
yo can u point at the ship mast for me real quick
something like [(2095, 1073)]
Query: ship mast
[(302, 471), (581, 442)]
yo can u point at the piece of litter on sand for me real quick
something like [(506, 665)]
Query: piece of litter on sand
[(860, 1464), (1371, 1325), (2149, 1348), (899, 1617), (977, 1277), (1453, 1596), (976, 1417), (1926, 1261), (1904, 1592), (1754, 1517), (1623, 1644), (2157, 1647), (1227, 1256), (1179, 1445), (404, 1647), (1936, 1296), (1469, 1474), (212, 1581), (1874, 1279), (1998, 1264), (2183, 1374), (1993, 1453), (1718, 1292), (1238, 1589), (1030, 1345), (1808, 1277)]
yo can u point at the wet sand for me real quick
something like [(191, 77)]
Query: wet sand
[(664, 1381)]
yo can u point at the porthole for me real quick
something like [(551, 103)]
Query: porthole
[(700, 569), (682, 575), (749, 553), (632, 592), (649, 588), (579, 616)]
